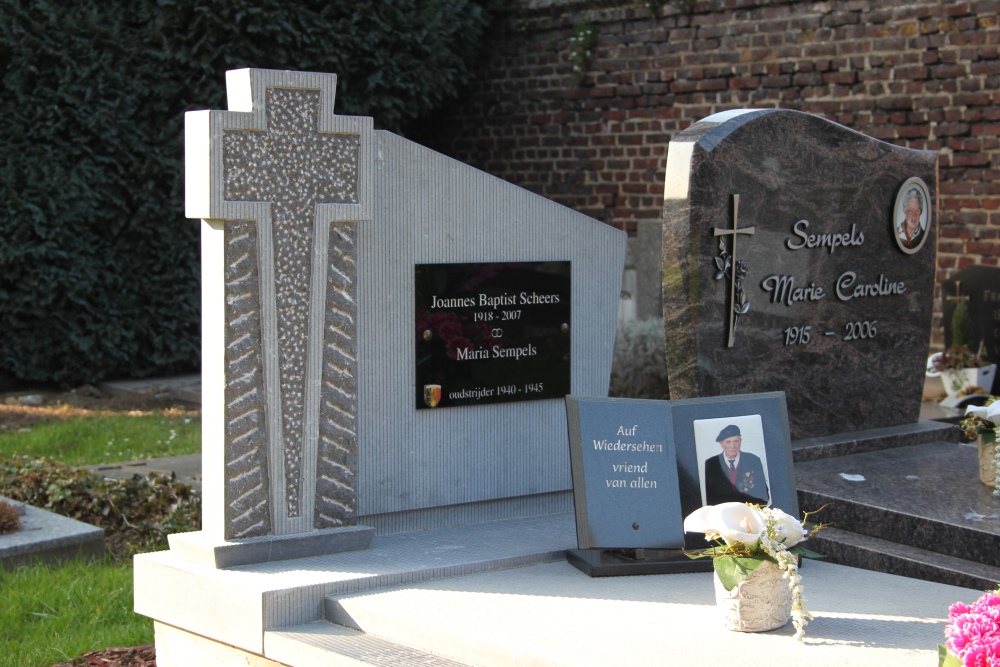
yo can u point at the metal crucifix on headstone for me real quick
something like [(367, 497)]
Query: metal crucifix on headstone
[(958, 293), (736, 270), (281, 185)]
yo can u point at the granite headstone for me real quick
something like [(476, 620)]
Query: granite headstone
[(979, 286), (316, 230), (798, 256)]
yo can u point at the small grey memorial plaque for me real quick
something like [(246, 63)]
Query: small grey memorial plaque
[(624, 474)]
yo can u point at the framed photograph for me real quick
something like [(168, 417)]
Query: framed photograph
[(751, 432), (911, 215), (734, 460)]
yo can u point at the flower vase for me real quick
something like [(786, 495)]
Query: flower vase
[(759, 603), (987, 452), (955, 381)]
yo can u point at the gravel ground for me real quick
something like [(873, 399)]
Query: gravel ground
[(26, 408), (136, 656)]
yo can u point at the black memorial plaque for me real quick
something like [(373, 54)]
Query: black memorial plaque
[(491, 333)]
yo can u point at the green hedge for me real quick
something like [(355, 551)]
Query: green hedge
[(98, 266)]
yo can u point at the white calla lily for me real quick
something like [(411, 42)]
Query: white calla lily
[(987, 412), (734, 522)]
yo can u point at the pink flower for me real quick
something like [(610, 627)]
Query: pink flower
[(985, 652), (973, 632), (958, 609)]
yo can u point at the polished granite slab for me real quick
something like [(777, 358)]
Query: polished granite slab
[(874, 439), (926, 496), (753, 302), (871, 553)]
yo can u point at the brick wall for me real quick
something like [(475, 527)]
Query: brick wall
[(923, 74)]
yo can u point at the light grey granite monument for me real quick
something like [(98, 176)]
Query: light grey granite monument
[(388, 335), (312, 226)]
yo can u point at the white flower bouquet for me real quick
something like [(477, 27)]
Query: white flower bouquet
[(748, 535)]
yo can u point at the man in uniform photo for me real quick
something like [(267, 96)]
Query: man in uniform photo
[(734, 476)]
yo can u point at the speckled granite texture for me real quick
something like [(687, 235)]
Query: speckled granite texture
[(248, 485), (294, 167), (889, 437), (926, 497), (846, 548), (803, 182)]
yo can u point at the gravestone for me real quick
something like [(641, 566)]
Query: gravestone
[(798, 256), (387, 333), (979, 286), (47, 537), (641, 283)]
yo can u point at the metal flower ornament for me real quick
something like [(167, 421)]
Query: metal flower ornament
[(728, 266)]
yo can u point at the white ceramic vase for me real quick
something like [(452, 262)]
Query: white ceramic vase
[(957, 380), (759, 603)]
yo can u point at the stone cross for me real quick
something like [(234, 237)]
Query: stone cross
[(296, 168), (281, 185), (727, 265)]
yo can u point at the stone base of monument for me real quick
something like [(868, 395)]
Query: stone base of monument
[(510, 599), (630, 562), (238, 606), (502, 593), (917, 511), (876, 439), (47, 537), (200, 548)]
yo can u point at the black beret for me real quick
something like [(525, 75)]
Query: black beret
[(730, 431)]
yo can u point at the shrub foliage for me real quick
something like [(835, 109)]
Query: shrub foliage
[(136, 514), (98, 266), (639, 369)]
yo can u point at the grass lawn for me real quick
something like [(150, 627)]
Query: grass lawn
[(53, 614), (107, 439)]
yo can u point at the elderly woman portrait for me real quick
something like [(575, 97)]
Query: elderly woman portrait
[(911, 226)]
